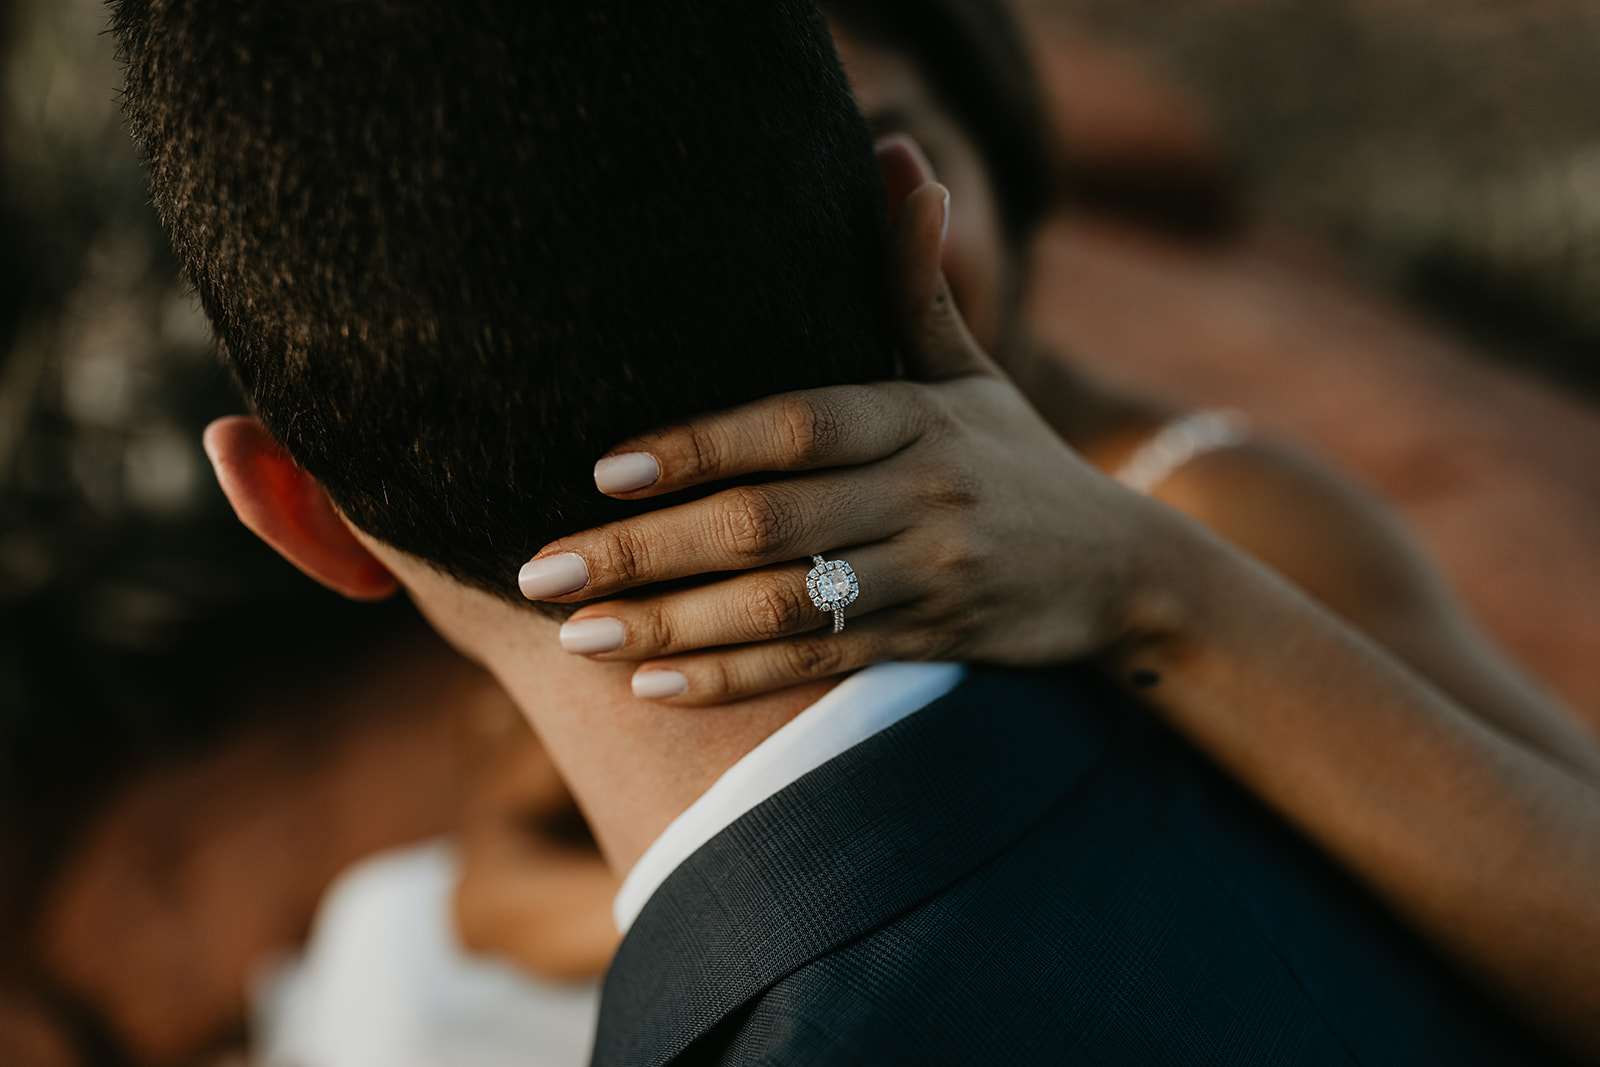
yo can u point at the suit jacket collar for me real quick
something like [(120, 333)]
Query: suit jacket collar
[(866, 836)]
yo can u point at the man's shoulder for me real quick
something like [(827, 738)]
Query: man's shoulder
[(866, 836), (1030, 870)]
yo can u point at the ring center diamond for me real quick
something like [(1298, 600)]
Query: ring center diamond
[(832, 585)]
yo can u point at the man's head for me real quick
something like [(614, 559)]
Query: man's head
[(456, 250)]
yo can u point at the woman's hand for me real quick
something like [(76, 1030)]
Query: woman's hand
[(975, 532)]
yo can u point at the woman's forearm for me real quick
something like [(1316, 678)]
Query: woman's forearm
[(1488, 846)]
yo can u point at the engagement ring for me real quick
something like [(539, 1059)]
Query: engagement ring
[(832, 585)]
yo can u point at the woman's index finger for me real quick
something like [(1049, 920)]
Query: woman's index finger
[(816, 428)]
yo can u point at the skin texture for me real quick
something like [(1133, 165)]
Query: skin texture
[(1476, 817), (631, 768), (1354, 697), (532, 887), (1486, 842), (1479, 824), (1417, 795), (957, 503)]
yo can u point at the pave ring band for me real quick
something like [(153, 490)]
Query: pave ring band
[(832, 585)]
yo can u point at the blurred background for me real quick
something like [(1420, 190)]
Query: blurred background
[(1375, 224), (1448, 150)]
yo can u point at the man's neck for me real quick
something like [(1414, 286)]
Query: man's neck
[(634, 765)]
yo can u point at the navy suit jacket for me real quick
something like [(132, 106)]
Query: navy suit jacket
[(1030, 870)]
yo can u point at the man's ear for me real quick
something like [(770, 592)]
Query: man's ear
[(288, 509), (904, 168)]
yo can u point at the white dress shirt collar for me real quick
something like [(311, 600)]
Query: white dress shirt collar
[(852, 711)]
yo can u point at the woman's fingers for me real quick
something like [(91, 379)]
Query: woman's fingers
[(834, 427), (734, 530), (756, 606), (764, 631), (735, 674)]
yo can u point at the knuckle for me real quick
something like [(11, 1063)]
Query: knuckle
[(627, 558), (935, 419), (911, 405), (953, 487), (814, 659), (962, 633), (775, 609), (757, 523), (960, 561), (715, 680), (651, 631), (932, 631), (703, 454), (929, 644), (925, 614), (809, 429)]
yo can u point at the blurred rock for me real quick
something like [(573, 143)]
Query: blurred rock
[(1447, 147)]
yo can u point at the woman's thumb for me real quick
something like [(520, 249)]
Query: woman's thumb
[(935, 338)]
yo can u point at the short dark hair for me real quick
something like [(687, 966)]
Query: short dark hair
[(456, 250)]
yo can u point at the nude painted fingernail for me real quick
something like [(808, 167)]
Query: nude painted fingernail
[(654, 685), (626, 472), (587, 636), (944, 218), (553, 576)]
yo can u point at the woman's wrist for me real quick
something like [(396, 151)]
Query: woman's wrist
[(1171, 575)]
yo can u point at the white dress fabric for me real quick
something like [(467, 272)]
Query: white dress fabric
[(1180, 441), (384, 982)]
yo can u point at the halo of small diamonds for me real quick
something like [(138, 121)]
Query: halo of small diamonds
[(832, 584)]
